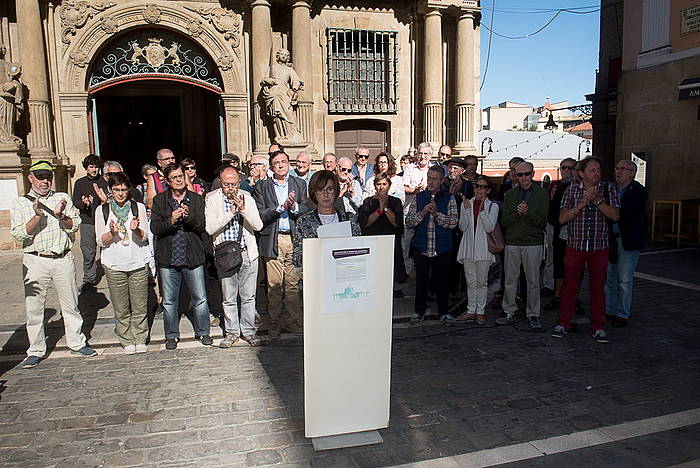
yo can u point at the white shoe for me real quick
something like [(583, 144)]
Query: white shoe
[(141, 348), (130, 349)]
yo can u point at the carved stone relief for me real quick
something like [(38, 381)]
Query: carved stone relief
[(195, 27), (109, 25), (75, 13), (152, 13), (78, 58), (224, 21)]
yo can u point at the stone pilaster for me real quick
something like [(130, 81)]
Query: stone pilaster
[(261, 45), (432, 79), (34, 76), (301, 56), (235, 114), (465, 92)]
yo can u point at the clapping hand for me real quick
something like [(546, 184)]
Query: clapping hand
[(100, 193), (290, 201), (114, 229), (87, 200), (466, 203), (521, 208), (37, 210), (238, 203), (60, 206), (134, 224)]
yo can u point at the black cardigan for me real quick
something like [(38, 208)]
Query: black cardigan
[(632, 210), (164, 230)]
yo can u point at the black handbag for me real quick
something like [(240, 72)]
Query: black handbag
[(227, 255)]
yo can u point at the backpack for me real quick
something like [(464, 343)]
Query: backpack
[(134, 210)]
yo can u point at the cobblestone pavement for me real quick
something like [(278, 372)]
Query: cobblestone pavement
[(454, 391)]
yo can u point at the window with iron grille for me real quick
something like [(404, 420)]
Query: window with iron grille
[(362, 71)]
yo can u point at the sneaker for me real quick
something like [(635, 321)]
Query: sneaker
[(206, 340), (30, 362), (601, 337), (507, 320), (415, 318), (535, 323), (448, 320), (228, 341), (130, 349), (253, 340), (558, 332), (141, 348), (85, 351), (171, 343)]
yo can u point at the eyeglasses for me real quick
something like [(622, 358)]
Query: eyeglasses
[(231, 185), (326, 190), (257, 164), (190, 168), (481, 186), (523, 174), (362, 156), (176, 177), (566, 168), (345, 169)]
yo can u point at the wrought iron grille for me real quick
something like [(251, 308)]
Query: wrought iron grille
[(362, 68), (153, 54)]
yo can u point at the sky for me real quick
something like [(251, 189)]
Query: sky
[(559, 62)]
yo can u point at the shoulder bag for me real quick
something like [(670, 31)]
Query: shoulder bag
[(227, 255), (495, 241)]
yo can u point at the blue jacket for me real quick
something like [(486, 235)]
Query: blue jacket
[(443, 236), (369, 172)]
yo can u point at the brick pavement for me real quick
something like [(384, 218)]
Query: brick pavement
[(454, 391)]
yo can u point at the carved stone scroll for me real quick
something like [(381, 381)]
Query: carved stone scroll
[(75, 13)]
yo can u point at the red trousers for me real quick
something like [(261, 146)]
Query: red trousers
[(574, 262)]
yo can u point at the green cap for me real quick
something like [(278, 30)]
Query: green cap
[(41, 167)]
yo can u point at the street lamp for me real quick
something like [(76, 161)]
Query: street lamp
[(490, 140), (550, 125), (588, 148)]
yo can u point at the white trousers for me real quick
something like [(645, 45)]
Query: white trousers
[(477, 275), (38, 273)]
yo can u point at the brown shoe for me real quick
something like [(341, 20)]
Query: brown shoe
[(480, 319), (466, 317), (253, 340)]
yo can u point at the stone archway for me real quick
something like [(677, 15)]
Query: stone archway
[(85, 30)]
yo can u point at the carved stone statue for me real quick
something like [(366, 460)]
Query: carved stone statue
[(11, 99), (280, 93)]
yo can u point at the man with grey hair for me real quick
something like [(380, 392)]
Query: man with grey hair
[(101, 187), (157, 183), (524, 218), (303, 167), (329, 161), (362, 170), (628, 234), (258, 172), (350, 189)]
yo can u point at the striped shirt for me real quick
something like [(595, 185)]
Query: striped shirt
[(49, 236)]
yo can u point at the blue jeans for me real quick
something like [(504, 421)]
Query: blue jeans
[(618, 287), (171, 278)]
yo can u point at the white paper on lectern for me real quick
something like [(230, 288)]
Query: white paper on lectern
[(348, 276), (342, 229)]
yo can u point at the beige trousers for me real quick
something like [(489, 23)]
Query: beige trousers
[(38, 273), (283, 288)]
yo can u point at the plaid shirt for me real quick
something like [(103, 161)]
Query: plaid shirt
[(231, 230), (50, 236), (447, 220), (588, 231)]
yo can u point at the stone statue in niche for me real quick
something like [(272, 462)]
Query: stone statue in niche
[(11, 100), (280, 93)]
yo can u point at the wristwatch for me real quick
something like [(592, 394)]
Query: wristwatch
[(598, 202)]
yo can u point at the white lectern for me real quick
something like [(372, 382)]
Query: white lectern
[(348, 300)]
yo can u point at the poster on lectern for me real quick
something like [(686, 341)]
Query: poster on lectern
[(348, 286), (348, 276)]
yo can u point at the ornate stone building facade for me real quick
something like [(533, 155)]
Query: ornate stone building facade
[(122, 78)]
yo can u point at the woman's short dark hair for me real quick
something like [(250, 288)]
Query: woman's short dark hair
[(319, 180), (187, 162), (170, 168), (485, 179), (118, 178), (392, 164), (382, 176), (92, 160)]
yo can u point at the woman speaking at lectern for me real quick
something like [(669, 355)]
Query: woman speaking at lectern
[(324, 190)]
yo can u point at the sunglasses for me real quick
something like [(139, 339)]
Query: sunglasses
[(190, 168), (362, 156), (444, 154), (345, 169), (43, 176), (523, 174), (481, 186)]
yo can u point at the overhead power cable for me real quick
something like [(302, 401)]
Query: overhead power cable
[(488, 51)]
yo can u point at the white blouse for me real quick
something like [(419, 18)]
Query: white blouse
[(116, 255)]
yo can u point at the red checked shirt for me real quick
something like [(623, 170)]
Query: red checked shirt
[(588, 231)]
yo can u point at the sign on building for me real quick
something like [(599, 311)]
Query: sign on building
[(690, 20), (639, 160)]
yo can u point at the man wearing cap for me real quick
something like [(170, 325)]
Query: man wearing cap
[(43, 221)]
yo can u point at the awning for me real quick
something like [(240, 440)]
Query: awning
[(689, 89)]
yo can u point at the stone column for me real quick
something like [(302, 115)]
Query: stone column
[(261, 44), (301, 57), (465, 95), (34, 76), (432, 79)]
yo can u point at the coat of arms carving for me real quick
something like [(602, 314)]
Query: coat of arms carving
[(155, 53)]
